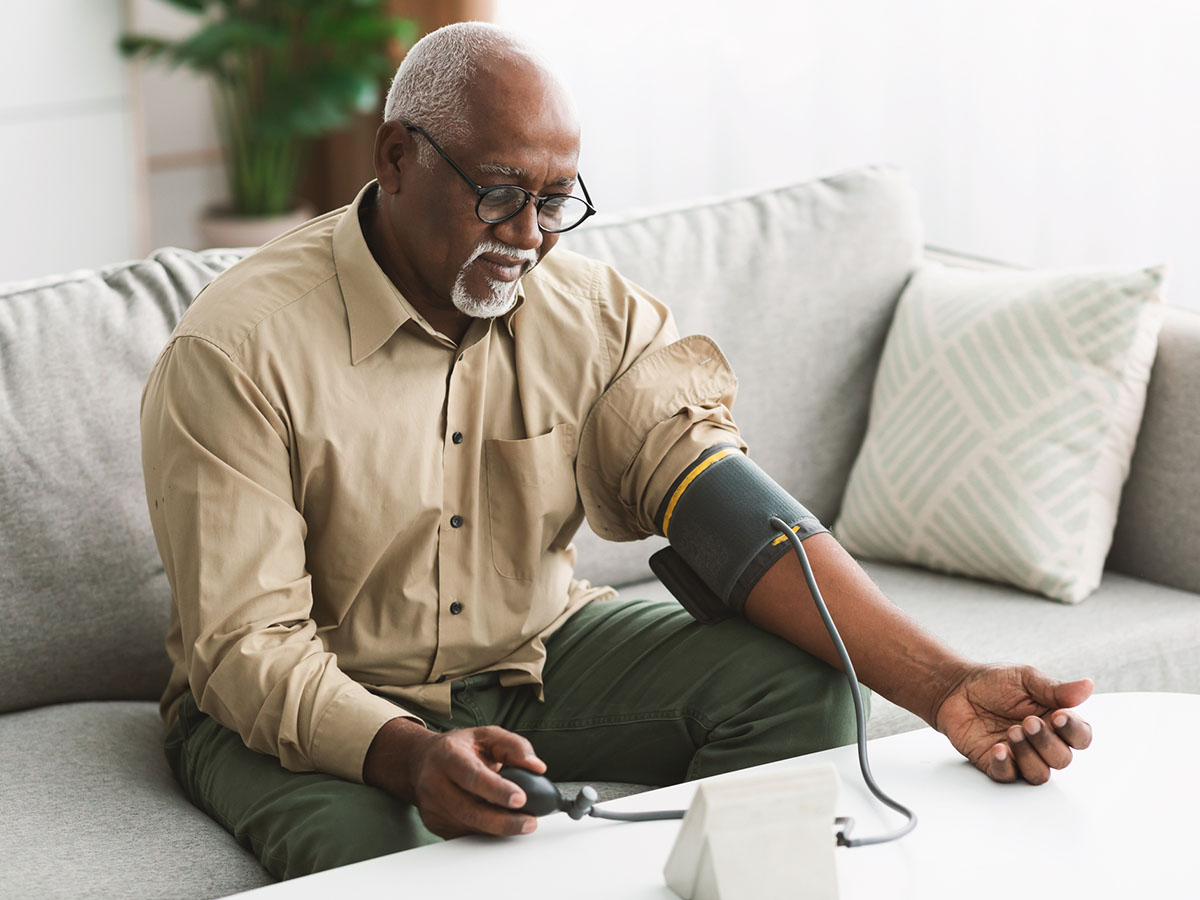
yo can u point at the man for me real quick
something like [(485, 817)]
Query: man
[(366, 450)]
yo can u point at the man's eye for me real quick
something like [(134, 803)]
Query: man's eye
[(503, 198)]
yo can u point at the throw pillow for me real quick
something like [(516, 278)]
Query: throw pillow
[(1002, 423)]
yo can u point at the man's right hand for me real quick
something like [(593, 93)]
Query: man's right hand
[(451, 778)]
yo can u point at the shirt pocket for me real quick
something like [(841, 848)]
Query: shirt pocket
[(531, 494)]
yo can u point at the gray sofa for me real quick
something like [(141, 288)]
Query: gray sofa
[(798, 285)]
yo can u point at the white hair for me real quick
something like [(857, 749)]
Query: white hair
[(429, 89)]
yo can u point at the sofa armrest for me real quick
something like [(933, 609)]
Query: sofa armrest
[(1158, 525)]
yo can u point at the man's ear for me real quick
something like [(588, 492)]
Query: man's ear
[(394, 147)]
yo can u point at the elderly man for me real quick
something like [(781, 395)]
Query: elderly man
[(367, 448)]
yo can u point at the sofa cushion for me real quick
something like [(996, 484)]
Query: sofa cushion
[(1002, 424), (1131, 635), (799, 285), (91, 810), (83, 596)]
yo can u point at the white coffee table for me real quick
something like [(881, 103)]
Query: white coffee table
[(1119, 823)]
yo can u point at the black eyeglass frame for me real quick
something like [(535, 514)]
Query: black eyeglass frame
[(481, 191)]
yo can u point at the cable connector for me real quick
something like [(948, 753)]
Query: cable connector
[(582, 804)]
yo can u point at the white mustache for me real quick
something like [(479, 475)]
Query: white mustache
[(506, 250)]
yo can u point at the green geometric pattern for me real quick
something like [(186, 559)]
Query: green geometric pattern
[(1002, 423)]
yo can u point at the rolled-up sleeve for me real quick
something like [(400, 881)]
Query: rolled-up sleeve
[(670, 400), (215, 454)]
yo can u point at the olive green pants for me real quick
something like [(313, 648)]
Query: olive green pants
[(636, 691)]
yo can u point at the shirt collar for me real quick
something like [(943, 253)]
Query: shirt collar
[(375, 308)]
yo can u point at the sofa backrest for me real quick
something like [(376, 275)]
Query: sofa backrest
[(813, 272), (83, 597), (798, 285)]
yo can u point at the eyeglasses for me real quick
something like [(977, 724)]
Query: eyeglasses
[(556, 213)]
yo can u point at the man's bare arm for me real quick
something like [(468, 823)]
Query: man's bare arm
[(1010, 721), (890, 652)]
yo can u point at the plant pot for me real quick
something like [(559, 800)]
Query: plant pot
[(220, 228)]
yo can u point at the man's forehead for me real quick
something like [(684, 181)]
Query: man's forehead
[(516, 172), (522, 121)]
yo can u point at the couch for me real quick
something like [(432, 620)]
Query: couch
[(797, 284)]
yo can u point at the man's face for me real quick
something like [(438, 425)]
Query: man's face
[(523, 132)]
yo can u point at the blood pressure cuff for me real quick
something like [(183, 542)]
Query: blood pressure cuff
[(717, 517)]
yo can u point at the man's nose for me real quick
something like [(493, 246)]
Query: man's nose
[(521, 231)]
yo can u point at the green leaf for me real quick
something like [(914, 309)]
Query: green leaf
[(368, 95), (367, 31), (143, 45), (284, 71), (195, 6), (315, 101), (215, 41), (405, 31)]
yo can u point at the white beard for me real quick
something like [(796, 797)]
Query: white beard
[(501, 295)]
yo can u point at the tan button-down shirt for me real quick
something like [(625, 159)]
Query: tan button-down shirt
[(350, 505)]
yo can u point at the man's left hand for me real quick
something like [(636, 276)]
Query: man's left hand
[(1013, 722)]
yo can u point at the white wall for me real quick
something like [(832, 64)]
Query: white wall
[(1050, 133), (67, 179), (183, 164), (1044, 132), (100, 160)]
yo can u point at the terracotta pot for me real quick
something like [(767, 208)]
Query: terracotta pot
[(220, 229)]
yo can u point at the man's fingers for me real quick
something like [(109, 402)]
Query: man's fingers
[(458, 792), (1031, 765), (1049, 746), (999, 765), (473, 776), (1072, 693), (510, 749), (477, 773), (459, 812), (1073, 730), (484, 818), (1055, 694)]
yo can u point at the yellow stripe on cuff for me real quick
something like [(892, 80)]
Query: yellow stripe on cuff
[(784, 537), (691, 476)]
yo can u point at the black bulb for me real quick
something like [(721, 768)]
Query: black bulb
[(542, 797)]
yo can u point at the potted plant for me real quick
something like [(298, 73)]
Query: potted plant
[(283, 72)]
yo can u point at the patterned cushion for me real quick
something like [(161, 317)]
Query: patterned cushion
[(1002, 424)]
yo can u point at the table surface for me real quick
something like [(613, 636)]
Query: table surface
[(1118, 822)]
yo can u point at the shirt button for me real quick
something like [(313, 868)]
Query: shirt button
[(455, 608), (457, 437), (456, 521)]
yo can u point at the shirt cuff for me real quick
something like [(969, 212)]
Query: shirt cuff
[(346, 730)]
